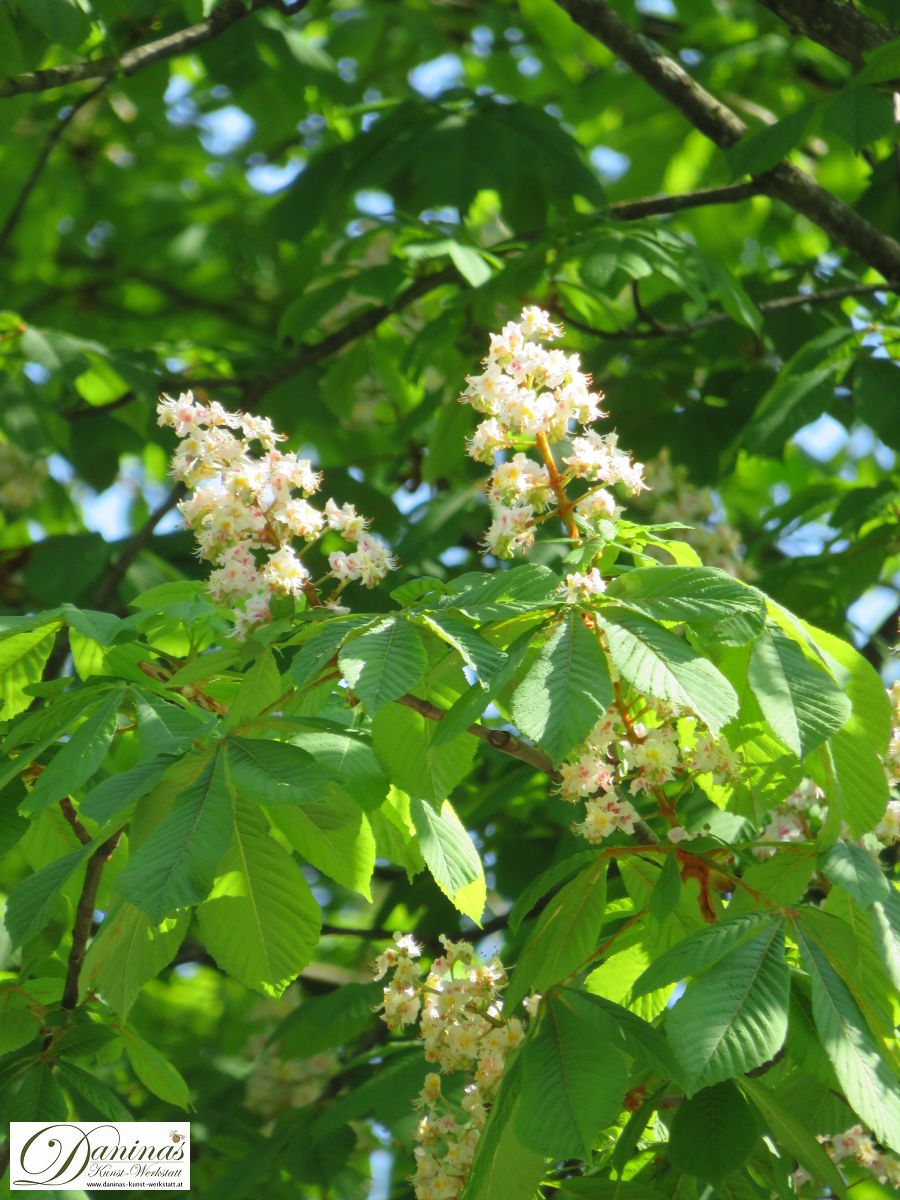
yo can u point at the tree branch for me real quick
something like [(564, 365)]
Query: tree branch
[(725, 129), (661, 205), (170, 46), (659, 329), (84, 916), (18, 207), (114, 576), (831, 23), (500, 739)]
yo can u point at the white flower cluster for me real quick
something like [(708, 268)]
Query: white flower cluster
[(21, 478), (674, 498), (531, 397), (855, 1143), (641, 759), (246, 516), (280, 1085), (463, 1028)]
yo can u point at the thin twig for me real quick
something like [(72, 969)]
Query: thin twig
[(169, 46), (659, 329), (21, 200), (84, 917), (500, 739), (661, 205)]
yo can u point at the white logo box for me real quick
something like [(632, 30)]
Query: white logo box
[(121, 1155)]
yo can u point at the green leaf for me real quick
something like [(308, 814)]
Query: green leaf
[(859, 681), (154, 1071), (128, 951), (39, 1098), (641, 1040), (734, 1017), (333, 834), (23, 657), (19, 1023), (470, 264), (801, 702), (854, 870), (91, 1089), (783, 879), (260, 688), (790, 1135), (885, 918), (855, 785), (864, 1076), (266, 772), (176, 865), (30, 904), (544, 883), (260, 923), (383, 663), (660, 664), (318, 650), (321, 1022), (503, 594), (882, 63), (80, 757), (450, 856), (734, 296), (713, 1132), (667, 892), (59, 21), (504, 1168), (573, 1078), (407, 746), (565, 935), (106, 799), (350, 759), (566, 691), (764, 147), (698, 952), (477, 652), (696, 595), (859, 114), (472, 703)]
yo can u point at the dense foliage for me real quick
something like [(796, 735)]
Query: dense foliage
[(569, 713)]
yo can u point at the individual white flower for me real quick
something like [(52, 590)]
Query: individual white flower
[(512, 529), (579, 587)]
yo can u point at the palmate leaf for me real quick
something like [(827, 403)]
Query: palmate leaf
[(333, 834), (176, 865), (851, 773), (384, 662), (864, 1076), (567, 689), (81, 756), (698, 596), (544, 883), (450, 856), (698, 952), (713, 1132), (30, 904), (23, 656), (261, 923), (853, 869), (573, 1077), (735, 1016), (790, 1134), (267, 772), (660, 664), (128, 951), (564, 936), (800, 700)]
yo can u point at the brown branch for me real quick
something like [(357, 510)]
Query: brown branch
[(136, 544), (68, 811), (50, 142), (169, 46), (500, 739), (661, 205), (658, 329), (723, 127), (84, 916), (832, 23)]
